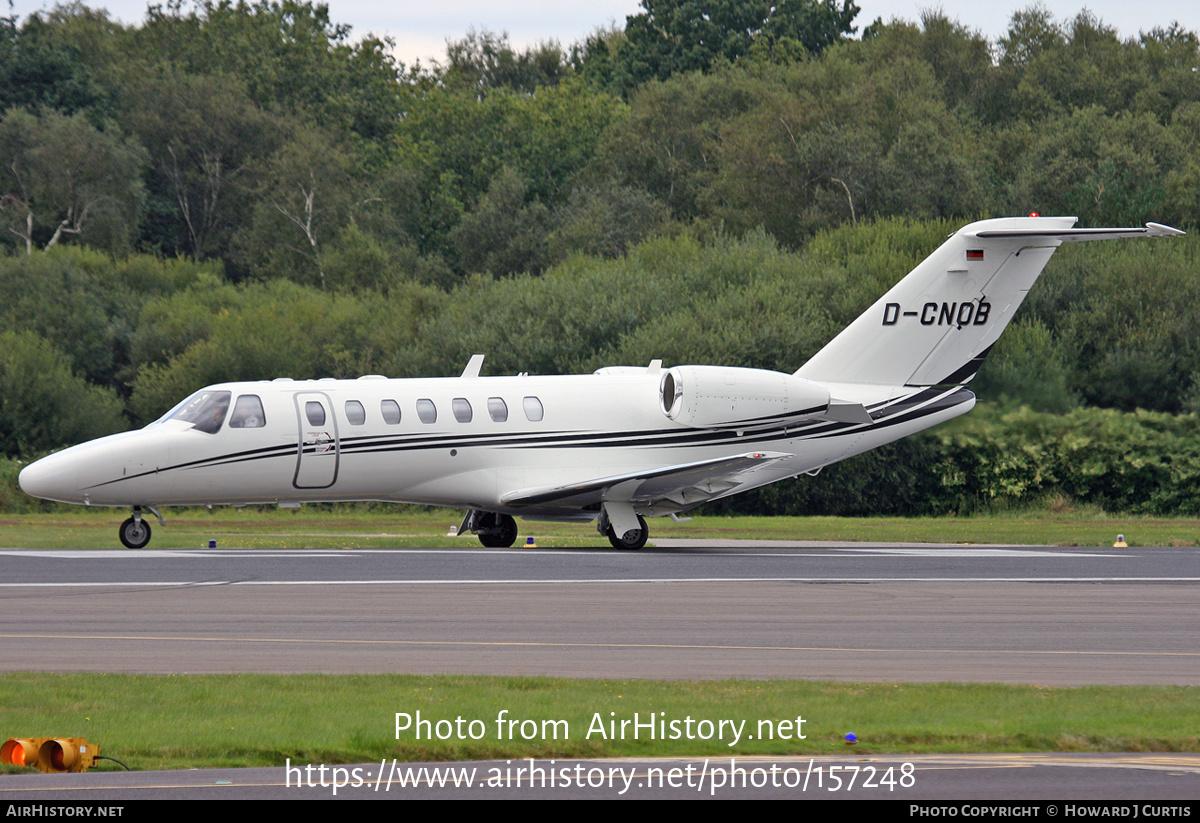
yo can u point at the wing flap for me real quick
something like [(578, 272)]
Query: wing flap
[(683, 484)]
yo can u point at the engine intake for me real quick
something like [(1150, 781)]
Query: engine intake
[(714, 397)]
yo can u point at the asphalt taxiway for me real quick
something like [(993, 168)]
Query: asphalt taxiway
[(1044, 615)]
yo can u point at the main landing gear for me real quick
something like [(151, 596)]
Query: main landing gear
[(630, 540), (495, 531), (135, 532), (499, 531)]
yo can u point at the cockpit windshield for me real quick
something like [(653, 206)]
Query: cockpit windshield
[(205, 410)]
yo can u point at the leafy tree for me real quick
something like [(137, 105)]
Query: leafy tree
[(454, 143), (484, 60), (1028, 368), (1032, 32), (357, 261), (504, 234), (1126, 317), (50, 61), (208, 146), (305, 195), (1168, 57), (862, 132), (87, 302), (1108, 169), (674, 36), (288, 56), (598, 59), (43, 403), (264, 330), (605, 221), (60, 176), (1182, 182), (462, 141), (959, 58), (667, 143), (1046, 67)]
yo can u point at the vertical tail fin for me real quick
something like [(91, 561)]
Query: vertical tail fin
[(937, 325)]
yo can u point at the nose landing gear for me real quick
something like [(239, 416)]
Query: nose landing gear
[(135, 532)]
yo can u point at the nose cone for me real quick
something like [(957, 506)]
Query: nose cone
[(55, 477)]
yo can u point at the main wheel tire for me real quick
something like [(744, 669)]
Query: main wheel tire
[(631, 541), (502, 535), (134, 534)]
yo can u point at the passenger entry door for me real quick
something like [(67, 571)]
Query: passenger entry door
[(318, 454)]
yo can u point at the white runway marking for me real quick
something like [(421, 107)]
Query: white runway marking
[(169, 554), (834, 581), (955, 551), (896, 551)]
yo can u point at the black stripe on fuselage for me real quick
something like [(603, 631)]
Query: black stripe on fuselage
[(266, 452)]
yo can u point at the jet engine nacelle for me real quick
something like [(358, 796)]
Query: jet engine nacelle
[(715, 397)]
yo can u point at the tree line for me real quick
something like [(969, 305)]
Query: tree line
[(235, 190)]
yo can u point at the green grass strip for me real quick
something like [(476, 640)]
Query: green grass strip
[(405, 527), (202, 721)]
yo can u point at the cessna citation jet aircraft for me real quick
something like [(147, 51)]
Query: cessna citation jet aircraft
[(615, 446)]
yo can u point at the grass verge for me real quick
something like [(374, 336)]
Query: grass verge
[(205, 721), (317, 527)]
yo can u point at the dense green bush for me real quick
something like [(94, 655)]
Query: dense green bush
[(1141, 462)]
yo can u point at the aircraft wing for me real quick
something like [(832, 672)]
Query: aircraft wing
[(684, 484)]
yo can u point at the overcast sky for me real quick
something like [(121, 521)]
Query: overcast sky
[(421, 29)]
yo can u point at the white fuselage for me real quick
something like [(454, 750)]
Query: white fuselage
[(591, 426)]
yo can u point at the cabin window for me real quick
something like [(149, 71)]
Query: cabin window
[(247, 413), (205, 410), (533, 409), (426, 410), (315, 413), (462, 409), (498, 409), (355, 413), (390, 410)]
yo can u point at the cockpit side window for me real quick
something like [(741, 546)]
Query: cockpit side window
[(205, 410), (248, 413)]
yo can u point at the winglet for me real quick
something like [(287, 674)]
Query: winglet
[(1159, 230), (473, 366)]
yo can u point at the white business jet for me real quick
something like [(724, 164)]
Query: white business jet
[(616, 446)]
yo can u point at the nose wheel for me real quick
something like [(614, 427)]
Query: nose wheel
[(134, 532)]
